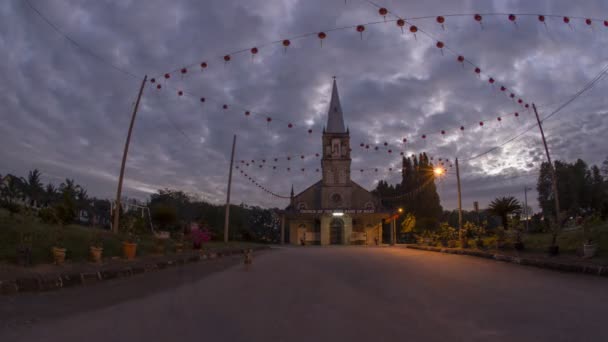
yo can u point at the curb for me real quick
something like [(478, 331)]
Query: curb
[(58, 281), (596, 270)]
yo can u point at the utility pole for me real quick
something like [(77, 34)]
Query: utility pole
[(460, 235), (526, 207), (553, 176), (227, 219), (124, 158)]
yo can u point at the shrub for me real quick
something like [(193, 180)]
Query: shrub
[(47, 215)]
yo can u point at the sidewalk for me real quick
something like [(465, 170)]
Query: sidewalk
[(564, 263), (14, 279)]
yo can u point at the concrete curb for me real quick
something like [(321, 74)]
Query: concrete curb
[(61, 280), (546, 264)]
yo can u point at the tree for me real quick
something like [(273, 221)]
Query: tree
[(165, 215), (503, 207), (50, 194), (33, 188)]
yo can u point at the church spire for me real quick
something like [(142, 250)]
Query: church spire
[(335, 121)]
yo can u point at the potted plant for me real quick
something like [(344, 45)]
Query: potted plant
[(198, 237), (96, 248), (58, 249), (129, 246), (179, 243)]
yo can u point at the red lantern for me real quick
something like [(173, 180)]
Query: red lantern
[(247, 113), (566, 20), (520, 101), (316, 154), (289, 125), (527, 105), (541, 18), (512, 17), (288, 158), (317, 170), (361, 170), (478, 18), (158, 86), (376, 148), (288, 169), (440, 45), (442, 132), (301, 157), (263, 160), (180, 93), (413, 29), (385, 143), (227, 58), (152, 80), (516, 114), (376, 170), (268, 119), (390, 169), (588, 21), (424, 136), (310, 131), (390, 151), (302, 169), (361, 144), (204, 65), (322, 35), (401, 23), (383, 12), (491, 80), (440, 19), (167, 76), (462, 128), (401, 153), (254, 50), (461, 59), (503, 88), (499, 118), (477, 71), (225, 106), (606, 23), (360, 29), (286, 43), (512, 95), (404, 140), (184, 70), (202, 99), (480, 123)]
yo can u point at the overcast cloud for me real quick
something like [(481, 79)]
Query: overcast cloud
[(66, 113)]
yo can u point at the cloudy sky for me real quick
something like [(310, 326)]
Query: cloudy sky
[(66, 112)]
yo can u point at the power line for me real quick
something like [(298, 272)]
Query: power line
[(77, 44)]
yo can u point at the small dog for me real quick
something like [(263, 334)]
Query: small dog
[(248, 258)]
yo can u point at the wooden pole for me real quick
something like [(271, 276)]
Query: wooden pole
[(124, 158), (553, 175), (227, 218), (282, 229), (460, 235)]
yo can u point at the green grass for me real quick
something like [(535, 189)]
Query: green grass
[(76, 239), (568, 241)]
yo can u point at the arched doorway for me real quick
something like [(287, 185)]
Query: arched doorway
[(336, 230)]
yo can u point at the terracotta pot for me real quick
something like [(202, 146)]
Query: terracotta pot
[(58, 255), (96, 253), (129, 250)]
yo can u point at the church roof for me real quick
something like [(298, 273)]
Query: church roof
[(335, 121)]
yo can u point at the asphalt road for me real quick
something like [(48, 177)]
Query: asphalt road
[(325, 294)]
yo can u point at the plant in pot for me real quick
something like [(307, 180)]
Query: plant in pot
[(129, 246), (199, 236), (589, 245), (96, 248), (58, 248)]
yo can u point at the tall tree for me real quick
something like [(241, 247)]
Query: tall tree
[(33, 188)]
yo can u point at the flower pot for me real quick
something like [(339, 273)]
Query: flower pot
[(96, 253), (58, 255), (129, 249), (589, 250), (553, 250)]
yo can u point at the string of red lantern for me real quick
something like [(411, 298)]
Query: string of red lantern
[(263, 188), (401, 22)]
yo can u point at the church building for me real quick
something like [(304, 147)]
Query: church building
[(335, 210)]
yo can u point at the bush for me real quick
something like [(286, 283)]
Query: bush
[(47, 215)]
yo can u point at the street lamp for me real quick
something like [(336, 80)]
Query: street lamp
[(438, 171)]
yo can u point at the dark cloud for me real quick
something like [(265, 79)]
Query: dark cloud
[(66, 113)]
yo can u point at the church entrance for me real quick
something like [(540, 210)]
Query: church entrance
[(336, 230)]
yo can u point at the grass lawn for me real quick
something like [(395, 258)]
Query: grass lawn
[(76, 239), (569, 241)]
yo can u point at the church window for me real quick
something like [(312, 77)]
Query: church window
[(336, 198), (301, 206), (369, 206)]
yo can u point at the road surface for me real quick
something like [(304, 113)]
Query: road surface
[(325, 294)]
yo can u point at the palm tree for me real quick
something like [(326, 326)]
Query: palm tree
[(50, 194), (33, 187), (503, 207)]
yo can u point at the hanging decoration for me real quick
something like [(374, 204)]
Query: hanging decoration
[(441, 21), (360, 29)]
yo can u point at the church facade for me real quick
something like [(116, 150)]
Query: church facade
[(335, 210)]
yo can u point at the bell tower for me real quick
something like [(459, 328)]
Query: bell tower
[(336, 145)]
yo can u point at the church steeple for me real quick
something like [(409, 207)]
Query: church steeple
[(335, 121)]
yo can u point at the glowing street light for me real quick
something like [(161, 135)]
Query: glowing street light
[(400, 210), (438, 171)]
